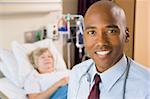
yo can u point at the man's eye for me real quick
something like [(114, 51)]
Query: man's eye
[(112, 30), (91, 32)]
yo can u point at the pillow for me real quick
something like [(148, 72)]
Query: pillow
[(9, 66), (22, 50), (1, 64), (48, 43), (10, 90)]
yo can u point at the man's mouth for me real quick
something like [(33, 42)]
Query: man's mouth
[(103, 53)]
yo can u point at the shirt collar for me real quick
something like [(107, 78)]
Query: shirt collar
[(110, 76)]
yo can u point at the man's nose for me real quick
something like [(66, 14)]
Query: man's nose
[(102, 38)]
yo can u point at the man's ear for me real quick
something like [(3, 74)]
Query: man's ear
[(127, 35)]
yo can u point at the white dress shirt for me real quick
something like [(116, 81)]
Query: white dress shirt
[(111, 87)]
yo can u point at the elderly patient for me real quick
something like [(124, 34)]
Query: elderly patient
[(45, 81)]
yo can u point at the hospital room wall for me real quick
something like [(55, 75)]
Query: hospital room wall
[(13, 26), (142, 32)]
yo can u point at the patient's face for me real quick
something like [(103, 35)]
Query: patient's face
[(45, 62)]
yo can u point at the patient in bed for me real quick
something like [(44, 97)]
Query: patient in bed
[(45, 82)]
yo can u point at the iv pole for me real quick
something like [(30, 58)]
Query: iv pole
[(68, 41), (68, 18)]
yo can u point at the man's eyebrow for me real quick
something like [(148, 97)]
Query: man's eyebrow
[(89, 27), (108, 26), (112, 26)]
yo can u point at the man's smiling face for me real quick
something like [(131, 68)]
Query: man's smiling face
[(103, 37)]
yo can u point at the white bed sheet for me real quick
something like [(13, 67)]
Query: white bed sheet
[(11, 90)]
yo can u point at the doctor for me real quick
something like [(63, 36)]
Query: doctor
[(119, 76)]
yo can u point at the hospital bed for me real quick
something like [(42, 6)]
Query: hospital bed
[(15, 67)]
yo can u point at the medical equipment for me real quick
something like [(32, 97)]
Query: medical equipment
[(79, 35), (52, 32), (68, 18), (65, 24), (87, 75), (62, 25)]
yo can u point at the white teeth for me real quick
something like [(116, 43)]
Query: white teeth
[(103, 52)]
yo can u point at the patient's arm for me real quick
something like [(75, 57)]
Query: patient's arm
[(46, 94)]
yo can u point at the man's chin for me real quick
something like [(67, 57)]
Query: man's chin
[(103, 67), (104, 62)]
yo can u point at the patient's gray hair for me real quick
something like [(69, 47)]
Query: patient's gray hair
[(34, 55)]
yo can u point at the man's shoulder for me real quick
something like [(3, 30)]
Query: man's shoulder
[(140, 71), (81, 68), (140, 76), (83, 65)]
